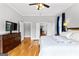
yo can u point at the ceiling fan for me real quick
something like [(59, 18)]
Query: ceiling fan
[(39, 6)]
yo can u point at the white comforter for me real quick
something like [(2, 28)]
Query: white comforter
[(58, 45)]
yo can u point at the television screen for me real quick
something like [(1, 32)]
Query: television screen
[(10, 26), (14, 26)]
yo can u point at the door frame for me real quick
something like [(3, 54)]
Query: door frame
[(39, 28)]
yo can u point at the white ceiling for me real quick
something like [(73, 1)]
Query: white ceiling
[(25, 10)]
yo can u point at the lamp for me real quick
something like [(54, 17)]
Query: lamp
[(65, 24)]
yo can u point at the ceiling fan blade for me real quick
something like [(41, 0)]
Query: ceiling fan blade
[(33, 4), (46, 5)]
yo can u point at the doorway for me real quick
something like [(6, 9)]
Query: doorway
[(27, 29), (43, 29)]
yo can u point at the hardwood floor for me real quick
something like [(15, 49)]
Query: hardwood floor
[(26, 48)]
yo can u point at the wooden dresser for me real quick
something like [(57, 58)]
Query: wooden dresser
[(9, 41)]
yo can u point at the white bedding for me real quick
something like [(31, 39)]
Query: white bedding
[(58, 45)]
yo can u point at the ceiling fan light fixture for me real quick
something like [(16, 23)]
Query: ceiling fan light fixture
[(39, 6)]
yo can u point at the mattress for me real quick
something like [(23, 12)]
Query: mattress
[(58, 45)]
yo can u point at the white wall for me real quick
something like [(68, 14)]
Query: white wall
[(22, 30), (7, 14), (38, 19), (72, 16), (33, 31), (51, 28), (37, 30)]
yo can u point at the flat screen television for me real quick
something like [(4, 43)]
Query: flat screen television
[(11, 26), (14, 26)]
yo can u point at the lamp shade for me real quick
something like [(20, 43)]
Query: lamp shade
[(65, 24)]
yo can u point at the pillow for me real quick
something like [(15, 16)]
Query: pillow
[(75, 36), (66, 34)]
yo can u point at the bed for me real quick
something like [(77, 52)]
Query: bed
[(59, 45)]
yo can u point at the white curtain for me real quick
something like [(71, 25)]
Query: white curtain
[(60, 25)]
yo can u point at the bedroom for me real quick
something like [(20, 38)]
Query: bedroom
[(55, 28)]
